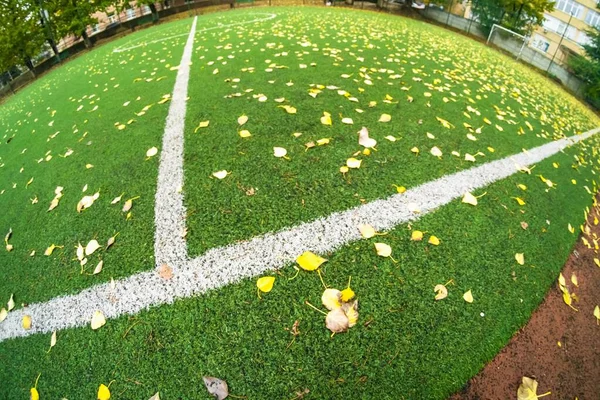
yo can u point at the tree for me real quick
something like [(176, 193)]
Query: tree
[(74, 16), (588, 67), (517, 15), (21, 34), (152, 5)]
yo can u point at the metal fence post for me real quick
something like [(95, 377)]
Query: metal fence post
[(449, 10)]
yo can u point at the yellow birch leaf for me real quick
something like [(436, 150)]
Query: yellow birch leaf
[(436, 151), (528, 390), (574, 280), (98, 320), (597, 262), (337, 321), (3, 314), (521, 186), (279, 152), (385, 118), (33, 394), (103, 392), (242, 120), (441, 292), (353, 163), (310, 261), (416, 236), (468, 296), (26, 322), (520, 257), (415, 150), (53, 340), (434, 240), (351, 311), (245, 134), (519, 200), (366, 231), (383, 249), (468, 198), (220, 174), (152, 151), (597, 314), (11, 303), (202, 124), (265, 284), (331, 299), (343, 169), (347, 294), (326, 119)]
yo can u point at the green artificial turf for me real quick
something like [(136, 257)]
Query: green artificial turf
[(117, 156), (397, 54), (405, 345)]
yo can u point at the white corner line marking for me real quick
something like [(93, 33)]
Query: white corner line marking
[(169, 212), (229, 264), (219, 26)]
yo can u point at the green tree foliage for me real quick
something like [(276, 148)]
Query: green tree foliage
[(72, 17), (588, 68), (21, 33), (517, 15)]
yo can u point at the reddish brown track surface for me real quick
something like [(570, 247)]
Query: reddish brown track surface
[(569, 371)]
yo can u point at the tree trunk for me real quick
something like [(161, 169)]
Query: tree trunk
[(350, 2), (29, 65), (54, 49), (380, 3), (154, 12), (86, 40)]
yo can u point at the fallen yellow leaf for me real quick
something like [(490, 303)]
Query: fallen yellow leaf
[(265, 284), (310, 261)]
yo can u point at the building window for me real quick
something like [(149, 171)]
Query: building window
[(558, 26), (146, 10), (569, 7), (593, 18), (96, 28), (112, 19), (583, 39), (539, 42), (131, 14)]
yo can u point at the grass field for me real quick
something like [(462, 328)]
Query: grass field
[(97, 115)]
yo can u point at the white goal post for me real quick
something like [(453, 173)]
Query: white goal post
[(497, 27)]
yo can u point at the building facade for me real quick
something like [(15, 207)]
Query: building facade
[(569, 22)]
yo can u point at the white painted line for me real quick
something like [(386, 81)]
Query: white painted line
[(229, 264), (218, 26), (169, 211)]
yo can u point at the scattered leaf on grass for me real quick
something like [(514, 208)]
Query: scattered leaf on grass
[(468, 296), (155, 397), (265, 284), (52, 340), (351, 311), (279, 152), (220, 174), (98, 268), (597, 314), (103, 392), (383, 249), (3, 314), (441, 292), (468, 198), (385, 118), (337, 321), (416, 236), (366, 231), (434, 240), (242, 120), (520, 257), (98, 320), (217, 387), (152, 151), (331, 299), (91, 247), (364, 139), (353, 163), (310, 261)]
